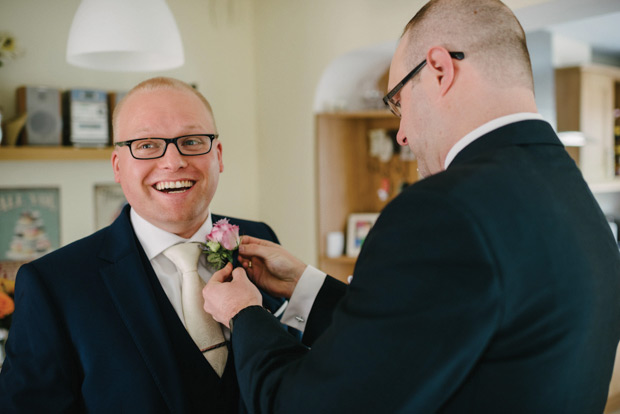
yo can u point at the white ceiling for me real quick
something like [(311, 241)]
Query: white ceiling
[(596, 22), (601, 32)]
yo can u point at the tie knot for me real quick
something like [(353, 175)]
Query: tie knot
[(184, 256)]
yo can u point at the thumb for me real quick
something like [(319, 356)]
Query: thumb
[(239, 275), (223, 274)]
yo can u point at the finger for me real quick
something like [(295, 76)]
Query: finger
[(245, 262), (222, 275), (249, 240), (239, 275), (247, 265), (255, 250)]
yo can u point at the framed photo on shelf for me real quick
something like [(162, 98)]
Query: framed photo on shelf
[(358, 226), (29, 223), (109, 201)]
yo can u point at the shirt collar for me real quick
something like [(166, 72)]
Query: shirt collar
[(485, 129), (155, 240)]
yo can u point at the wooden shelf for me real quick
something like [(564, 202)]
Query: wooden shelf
[(54, 153), (348, 178), (340, 260)]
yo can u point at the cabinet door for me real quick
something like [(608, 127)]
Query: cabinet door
[(596, 122)]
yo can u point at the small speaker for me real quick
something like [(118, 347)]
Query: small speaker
[(44, 119), (86, 117)]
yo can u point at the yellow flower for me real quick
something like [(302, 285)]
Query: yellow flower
[(8, 44), (7, 286), (7, 306)]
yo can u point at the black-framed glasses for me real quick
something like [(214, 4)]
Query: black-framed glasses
[(151, 148), (389, 98)]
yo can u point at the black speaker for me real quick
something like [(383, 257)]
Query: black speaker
[(44, 119)]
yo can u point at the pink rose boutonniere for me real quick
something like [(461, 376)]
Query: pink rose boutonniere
[(221, 243)]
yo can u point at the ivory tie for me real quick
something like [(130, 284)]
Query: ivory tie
[(204, 330)]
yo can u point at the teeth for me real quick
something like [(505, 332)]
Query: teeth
[(169, 185)]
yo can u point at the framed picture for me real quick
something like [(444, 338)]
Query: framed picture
[(29, 223), (357, 228), (109, 201)]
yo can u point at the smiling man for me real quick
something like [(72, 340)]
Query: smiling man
[(101, 325)]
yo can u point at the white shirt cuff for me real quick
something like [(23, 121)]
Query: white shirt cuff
[(302, 299)]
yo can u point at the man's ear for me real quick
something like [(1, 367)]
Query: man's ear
[(115, 166), (220, 159), (442, 66)]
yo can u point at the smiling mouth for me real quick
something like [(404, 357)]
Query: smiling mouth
[(172, 187)]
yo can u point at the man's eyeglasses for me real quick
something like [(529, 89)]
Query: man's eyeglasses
[(389, 98), (151, 148)]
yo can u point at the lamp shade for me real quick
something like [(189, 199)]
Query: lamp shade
[(124, 35)]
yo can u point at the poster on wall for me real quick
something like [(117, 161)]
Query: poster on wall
[(29, 223), (109, 201)]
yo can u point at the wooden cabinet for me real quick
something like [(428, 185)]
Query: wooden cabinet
[(348, 177), (585, 101)]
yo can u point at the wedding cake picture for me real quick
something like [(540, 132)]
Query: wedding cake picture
[(29, 223)]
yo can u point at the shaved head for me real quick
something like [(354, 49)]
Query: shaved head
[(486, 30)]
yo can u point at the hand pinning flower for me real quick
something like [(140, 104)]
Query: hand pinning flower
[(221, 242)]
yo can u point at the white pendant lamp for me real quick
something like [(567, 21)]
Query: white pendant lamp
[(125, 35)]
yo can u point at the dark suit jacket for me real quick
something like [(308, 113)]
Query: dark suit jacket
[(492, 287), (93, 331)]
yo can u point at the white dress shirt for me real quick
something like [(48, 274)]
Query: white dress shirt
[(155, 240)]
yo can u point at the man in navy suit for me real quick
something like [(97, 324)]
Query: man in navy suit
[(98, 325), (491, 286)]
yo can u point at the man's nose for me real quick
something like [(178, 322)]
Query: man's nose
[(172, 159)]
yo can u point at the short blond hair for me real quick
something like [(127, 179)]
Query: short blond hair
[(159, 83)]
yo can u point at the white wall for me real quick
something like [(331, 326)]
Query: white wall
[(296, 41), (540, 46)]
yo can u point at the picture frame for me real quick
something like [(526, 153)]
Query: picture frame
[(358, 226), (109, 202), (29, 223)]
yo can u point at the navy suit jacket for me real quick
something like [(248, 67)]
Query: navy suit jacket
[(93, 331), (492, 287)]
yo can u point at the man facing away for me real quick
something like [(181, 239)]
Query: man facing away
[(490, 286), (100, 325)]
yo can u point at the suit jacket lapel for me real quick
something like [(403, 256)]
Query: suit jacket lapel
[(130, 290)]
